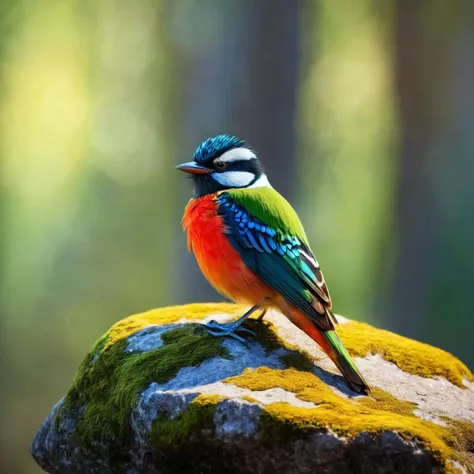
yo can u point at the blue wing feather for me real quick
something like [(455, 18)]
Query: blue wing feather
[(281, 260)]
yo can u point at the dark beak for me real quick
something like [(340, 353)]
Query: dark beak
[(193, 168)]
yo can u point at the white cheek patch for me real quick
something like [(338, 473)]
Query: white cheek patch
[(261, 182), (237, 154), (234, 179)]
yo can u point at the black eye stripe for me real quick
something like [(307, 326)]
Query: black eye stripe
[(252, 166), (208, 183), (245, 165)]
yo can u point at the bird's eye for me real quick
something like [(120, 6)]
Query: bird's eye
[(220, 165)]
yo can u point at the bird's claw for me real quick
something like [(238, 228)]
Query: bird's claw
[(223, 330), (201, 328), (229, 334)]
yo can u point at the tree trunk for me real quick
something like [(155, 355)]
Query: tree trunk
[(434, 65)]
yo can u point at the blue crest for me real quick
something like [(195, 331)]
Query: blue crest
[(216, 146)]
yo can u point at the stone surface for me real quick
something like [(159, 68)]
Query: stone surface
[(276, 404)]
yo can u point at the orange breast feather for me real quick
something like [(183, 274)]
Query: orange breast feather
[(218, 260)]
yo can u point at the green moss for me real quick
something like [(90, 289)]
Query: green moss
[(411, 356), (109, 386), (171, 432), (265, 334), (298, 360), (379, 412)]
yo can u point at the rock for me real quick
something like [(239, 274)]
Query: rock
[(152, 397)]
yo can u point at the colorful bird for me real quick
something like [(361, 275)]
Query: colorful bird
[(251, 246)]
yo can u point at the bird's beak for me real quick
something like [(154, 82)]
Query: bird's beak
[(193, 168)]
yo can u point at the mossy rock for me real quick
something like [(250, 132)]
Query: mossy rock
[(153, 397)]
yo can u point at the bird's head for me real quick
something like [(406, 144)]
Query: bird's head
[(224, 162)]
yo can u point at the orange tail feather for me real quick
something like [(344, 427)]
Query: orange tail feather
[(332, 346)]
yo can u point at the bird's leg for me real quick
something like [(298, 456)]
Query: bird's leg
[(228, 329), (262, 315)]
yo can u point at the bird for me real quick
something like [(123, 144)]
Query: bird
[(252, 248)]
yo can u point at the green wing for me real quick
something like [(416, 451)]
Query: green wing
[(266, 231), (271, 208)]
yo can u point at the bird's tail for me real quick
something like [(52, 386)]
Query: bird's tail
[(330, 343), (339, 355)]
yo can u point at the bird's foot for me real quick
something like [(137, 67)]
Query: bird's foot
[(262, 315), (224, 330), (228, 329)]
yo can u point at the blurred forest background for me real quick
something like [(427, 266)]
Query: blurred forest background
[(362, 112)]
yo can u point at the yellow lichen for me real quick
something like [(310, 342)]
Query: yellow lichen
[(205, 399), (411, 356), (249, 399), (310, 388), (383, 401), (169, 315), (462, 433), (348, 416)]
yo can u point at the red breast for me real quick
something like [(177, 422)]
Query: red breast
[(220, 263)]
